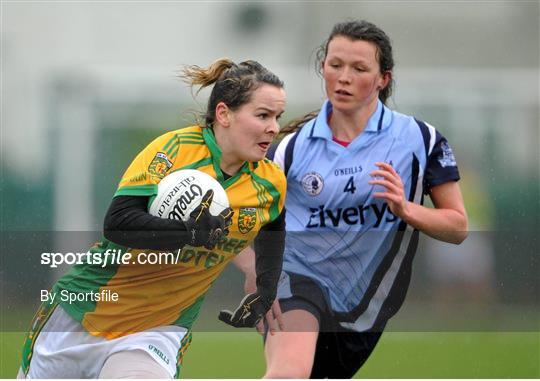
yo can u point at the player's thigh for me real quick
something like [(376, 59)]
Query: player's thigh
[(290, 353), (132, 364)]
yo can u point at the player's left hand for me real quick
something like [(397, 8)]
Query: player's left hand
[(387, 176), (250, 311)]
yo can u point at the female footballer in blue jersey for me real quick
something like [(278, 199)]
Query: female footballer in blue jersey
[(357, 172)]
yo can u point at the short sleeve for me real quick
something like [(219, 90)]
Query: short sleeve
[(272, 179), (441, 164), (278, 190), (149, 167)]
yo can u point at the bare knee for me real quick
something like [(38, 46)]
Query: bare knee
[(290, 354), (289, 361)]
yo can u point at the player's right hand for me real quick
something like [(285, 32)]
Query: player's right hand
[(204, 228), (273, 318)]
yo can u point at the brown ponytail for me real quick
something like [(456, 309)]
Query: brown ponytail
[(233, 83), (196, 76)]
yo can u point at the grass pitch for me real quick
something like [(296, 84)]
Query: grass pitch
[(398, 355)]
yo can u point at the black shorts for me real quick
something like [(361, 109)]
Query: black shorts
[(340, 352)]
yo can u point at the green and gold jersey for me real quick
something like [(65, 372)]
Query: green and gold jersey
[(167, 294)]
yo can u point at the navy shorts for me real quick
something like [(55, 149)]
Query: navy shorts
[(340, 352)]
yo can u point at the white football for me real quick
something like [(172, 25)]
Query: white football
[(182, 191)]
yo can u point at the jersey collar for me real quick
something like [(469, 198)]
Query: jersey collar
[(379, 121)]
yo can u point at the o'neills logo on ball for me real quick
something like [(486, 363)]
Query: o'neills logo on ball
[(184, 201), (167, 201), (171, 198)]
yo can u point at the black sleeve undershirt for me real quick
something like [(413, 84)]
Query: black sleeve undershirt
[(269, 245), (128, 223)]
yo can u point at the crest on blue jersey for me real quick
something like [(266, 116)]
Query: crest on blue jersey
[(447, 158), (312, 183)]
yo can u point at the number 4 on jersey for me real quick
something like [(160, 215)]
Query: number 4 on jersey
[(349, 187)]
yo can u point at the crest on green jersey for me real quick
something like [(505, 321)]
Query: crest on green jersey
[(159, 165), (247, 218)]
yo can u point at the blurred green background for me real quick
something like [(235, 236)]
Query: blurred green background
[(87, 85)]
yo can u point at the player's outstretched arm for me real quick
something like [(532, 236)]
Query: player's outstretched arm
[(245, 261), (269, 245)]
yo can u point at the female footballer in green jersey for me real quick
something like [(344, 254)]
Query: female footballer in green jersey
[(144, 331)]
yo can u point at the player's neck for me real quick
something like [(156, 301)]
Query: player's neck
[(230, 163), (230, 168), (346, 126)]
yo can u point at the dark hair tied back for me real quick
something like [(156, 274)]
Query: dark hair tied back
[(233, 83)]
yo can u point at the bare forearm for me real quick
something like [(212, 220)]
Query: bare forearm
[(446, 222), (446, 225)]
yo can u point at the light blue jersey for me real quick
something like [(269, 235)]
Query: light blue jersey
[(341, 236)]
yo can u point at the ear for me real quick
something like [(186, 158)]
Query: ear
[(223, 114), (386, 77)]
